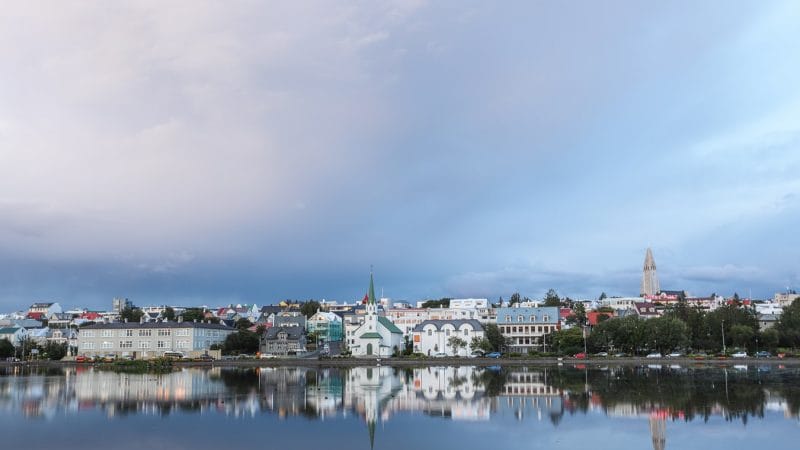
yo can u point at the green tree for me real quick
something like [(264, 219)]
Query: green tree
[(243, 324), (55, 351), (578, 316), (495, 338), (169, 314), (457, 343), (603, 296), (6, 348), (569, 341), (309, 308), (789, 325), (441, 303), (666, 334), (515, 298), (727, 317), (741, 335), (131, 314), (552, 298), (478, 343), (241, 342), (193, 314), (770, 338)]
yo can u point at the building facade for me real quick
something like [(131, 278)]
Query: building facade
[(283, 341), (525, 329), (377, 335), (327, 326), (650, 284), (447, 337), (151, 339)]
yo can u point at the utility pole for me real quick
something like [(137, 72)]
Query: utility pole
[(724, 349)]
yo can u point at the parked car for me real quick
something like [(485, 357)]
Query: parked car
[(580, 355), (620, 355), (439, 355), (675, 355), (654, 355), (602, 354), (205, 358), (267, 356), (739, 355), (763, 354), (494, 355), (476, 354)]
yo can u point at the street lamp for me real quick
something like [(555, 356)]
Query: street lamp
[(724, 349)]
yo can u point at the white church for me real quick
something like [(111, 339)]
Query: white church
[(377, 336)]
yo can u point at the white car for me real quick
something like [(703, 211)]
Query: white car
[(654, 355), (739, 355)]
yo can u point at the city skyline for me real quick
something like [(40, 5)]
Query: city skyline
[(207, 153)]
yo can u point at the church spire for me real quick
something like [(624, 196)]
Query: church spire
[(650, 284), (371, 299)]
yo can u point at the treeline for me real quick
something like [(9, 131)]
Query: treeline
[(684, 328)]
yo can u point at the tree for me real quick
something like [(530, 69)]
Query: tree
[(578, 316), (193, 314), (770, 338), (309, 308), (441, 303), (241, 342), (603, 296), (495, 338), (552, 298), (6, 348), (243, 324), (741, 335), (569, 341), (457, 343), (482, 344), (789, 324), (55, 351), (666, 334), (131, 314), (515, 298), (169, 314)]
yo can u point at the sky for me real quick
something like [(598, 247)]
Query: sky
[(207, 152)]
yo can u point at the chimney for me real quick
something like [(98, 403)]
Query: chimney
[(180, 319)]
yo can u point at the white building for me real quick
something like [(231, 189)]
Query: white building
[(433, 337), (150, 339), (376, 336)]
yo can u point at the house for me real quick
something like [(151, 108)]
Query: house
[(150, 339), (525, 329), (377, 335), (647, 310), (327, 326), (290, 319), (15, 335), (766, 321), (283, 340), (42, 310), (59, 320), (433, 337)]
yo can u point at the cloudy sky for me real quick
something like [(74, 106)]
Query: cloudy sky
[(215, 152)]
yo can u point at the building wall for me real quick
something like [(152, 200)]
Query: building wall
[(148, 342), (525, 328), (432, 340)]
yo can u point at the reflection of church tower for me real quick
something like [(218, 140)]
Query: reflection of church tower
[(658, 431), (371, 387), (649, 277)]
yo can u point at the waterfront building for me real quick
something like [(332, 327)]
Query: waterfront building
[(786, 298), (283, 340), (326, 325), (377, 335), (650, 284), (150, 339), (433, 337), (42, 310), (525, 328), (15, 335)]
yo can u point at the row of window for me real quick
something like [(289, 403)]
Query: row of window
[(527, 329), (148, 332), (521, 318), (464, 332), (142, 344)]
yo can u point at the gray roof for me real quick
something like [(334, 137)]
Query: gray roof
[(292, 332), (455, 323), (271, 309), (123, 325)]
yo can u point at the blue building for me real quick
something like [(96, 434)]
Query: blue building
[(527, 329)]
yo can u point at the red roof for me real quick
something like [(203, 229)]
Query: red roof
[(593, 316), (91, 315), (35, 315)]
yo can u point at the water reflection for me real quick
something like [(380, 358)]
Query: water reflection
[(657, 394)]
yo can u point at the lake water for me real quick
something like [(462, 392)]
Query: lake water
[(618, 407)]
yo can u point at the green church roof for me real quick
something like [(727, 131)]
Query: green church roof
[(389, 325)]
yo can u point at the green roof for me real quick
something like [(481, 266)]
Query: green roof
[(8, 330), (371, 335), (389, 325)]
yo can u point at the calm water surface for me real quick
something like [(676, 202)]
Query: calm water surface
[(628, 407)]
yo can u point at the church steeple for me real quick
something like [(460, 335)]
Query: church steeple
[(371, 295), (650, 284)]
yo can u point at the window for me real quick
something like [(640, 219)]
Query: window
[(163, 332), (520, 318), (466, 332), (162, 344), (88, 333), (508, 318), (430, 332), (125, 344), (546, 318), (533, 319), (182, 332), (447, 332), (145, 332), (129, 333), (183, 344), (108, 333), (107, 344), (88, 345), (144, 344)]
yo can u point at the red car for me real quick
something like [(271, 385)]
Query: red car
[(580, 355)]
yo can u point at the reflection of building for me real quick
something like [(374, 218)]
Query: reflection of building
[(658, 431), (529, 392)]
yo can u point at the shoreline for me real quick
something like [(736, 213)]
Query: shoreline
[(432, 362)]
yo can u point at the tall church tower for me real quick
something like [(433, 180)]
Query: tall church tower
[(371, 316), (649, 276)]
